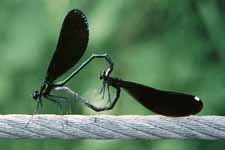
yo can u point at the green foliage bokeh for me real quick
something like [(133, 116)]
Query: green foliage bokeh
[(170, 45)]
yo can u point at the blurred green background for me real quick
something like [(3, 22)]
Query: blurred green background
[(170, 45)]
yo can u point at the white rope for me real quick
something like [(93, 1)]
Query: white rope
[(111, 127)]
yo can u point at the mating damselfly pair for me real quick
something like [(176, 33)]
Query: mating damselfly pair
[(72, 43)]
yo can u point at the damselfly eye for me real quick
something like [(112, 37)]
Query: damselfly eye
[(102, 75), (35, 95)]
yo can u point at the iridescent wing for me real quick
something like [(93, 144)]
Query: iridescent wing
[(72, 43), (163, 102)]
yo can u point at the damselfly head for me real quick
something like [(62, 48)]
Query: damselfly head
[(102, 75), (35, 95), (45, 89), (105, 74)]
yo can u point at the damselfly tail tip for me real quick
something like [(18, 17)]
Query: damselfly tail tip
[(197, 105), (197, 98)]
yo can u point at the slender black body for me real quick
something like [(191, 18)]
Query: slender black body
[(161, 102)]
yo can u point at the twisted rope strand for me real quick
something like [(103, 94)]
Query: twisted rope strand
[(111, 127)]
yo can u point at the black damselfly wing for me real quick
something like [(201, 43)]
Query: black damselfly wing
[(162, 102), (72, 43)]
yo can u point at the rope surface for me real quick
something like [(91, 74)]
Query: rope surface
[(111, 127)]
